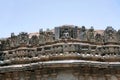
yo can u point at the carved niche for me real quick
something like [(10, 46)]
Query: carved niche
[(110, 35)]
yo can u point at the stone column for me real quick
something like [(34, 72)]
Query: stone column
[(107, 76), (38, 75), (27, 75)]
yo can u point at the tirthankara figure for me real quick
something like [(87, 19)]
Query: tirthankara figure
[(83, 34), (90, 34)]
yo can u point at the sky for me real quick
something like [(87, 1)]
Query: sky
[(31, 15)]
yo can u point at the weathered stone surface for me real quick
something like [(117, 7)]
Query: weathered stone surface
[(66, 53)]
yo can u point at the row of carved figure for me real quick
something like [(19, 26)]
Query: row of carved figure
[(24, 39), (84, 51)]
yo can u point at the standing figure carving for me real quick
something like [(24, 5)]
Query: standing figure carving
[(90, 34), (49, 36), (42, 39), (83, 34)]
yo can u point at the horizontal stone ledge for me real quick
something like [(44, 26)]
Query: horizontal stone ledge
[(59, 64)]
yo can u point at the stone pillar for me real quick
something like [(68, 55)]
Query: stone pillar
[(38, 75), (15, 75), (27, 75), (107, 76)]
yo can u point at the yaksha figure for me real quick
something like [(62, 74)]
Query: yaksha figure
[(41, 37), (90, 35), (83, 34), (110, 35)]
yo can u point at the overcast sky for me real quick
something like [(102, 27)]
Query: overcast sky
[(31, 15)]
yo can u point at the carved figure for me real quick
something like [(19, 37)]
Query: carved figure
[(90, 34), (98, 38), (41, 37), (34, 40), (110, 35), (23, 38), (83, 34)]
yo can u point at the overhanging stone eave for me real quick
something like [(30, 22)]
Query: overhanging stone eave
[(59, 64)]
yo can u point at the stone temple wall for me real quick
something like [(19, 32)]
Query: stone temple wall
[(66, 53)]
